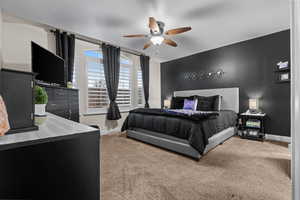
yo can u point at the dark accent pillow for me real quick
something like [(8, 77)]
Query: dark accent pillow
[(212, 103), (218, 103), (178, 102)]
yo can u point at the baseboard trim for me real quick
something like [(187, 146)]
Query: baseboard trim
[(278, 138)]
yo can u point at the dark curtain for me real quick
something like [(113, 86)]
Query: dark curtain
[(65, 48), (71, 55), (145, 75), (111, 62)]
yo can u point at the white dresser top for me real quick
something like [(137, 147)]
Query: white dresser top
[(53, 127)]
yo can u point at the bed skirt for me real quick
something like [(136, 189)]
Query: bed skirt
[(178, 145)]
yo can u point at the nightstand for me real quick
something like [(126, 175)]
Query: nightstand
[(252, 126)]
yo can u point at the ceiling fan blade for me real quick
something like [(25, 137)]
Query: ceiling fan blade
[(153, 25), (178, 30), (147, 45), (170, 42), (136, 35)]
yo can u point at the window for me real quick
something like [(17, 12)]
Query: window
[(97, 96), (124, 89), (140, 97), (93, 92), (74, 78)]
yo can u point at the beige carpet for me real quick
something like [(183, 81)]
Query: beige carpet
[(238, 170)]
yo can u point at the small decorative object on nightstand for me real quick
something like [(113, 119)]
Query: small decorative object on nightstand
[(252, 126)]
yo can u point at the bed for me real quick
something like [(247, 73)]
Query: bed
[(192, 135)]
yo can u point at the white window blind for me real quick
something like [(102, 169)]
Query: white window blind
[(124, 89), (140, 87), (97, 93), (75, 76)]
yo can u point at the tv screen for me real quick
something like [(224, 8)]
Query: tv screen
[(48, 66)]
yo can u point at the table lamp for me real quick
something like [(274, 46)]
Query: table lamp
[(167, 103), (253, 106)]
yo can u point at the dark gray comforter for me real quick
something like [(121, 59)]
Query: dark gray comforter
[(195, 129)]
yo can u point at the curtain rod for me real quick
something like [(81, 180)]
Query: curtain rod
[(99, 42)]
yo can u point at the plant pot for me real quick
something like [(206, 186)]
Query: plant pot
[(39, 120), (40, 109), (40, 114)]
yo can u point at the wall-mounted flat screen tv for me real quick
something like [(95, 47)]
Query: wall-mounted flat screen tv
[(48, 66)]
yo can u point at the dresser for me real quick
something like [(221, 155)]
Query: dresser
[(60, 161), (63, 102)]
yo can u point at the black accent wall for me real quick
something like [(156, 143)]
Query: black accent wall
[(249, 65)]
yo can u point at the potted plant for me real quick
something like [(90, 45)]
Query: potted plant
[(41, 100)]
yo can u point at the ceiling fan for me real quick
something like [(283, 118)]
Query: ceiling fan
[(157, 34)]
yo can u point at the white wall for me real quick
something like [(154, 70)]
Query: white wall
[(295, 104), (0, 38), (17, 39), (154, 82)]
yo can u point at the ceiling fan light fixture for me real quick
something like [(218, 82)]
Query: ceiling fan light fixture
[(157, 40), (157, 34)]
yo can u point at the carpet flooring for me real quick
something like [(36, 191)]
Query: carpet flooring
[(237, 170)]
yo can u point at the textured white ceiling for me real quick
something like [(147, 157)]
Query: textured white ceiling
[(215, 23)]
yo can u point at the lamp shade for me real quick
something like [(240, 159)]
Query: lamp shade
[(253, 104), (167, 103)]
